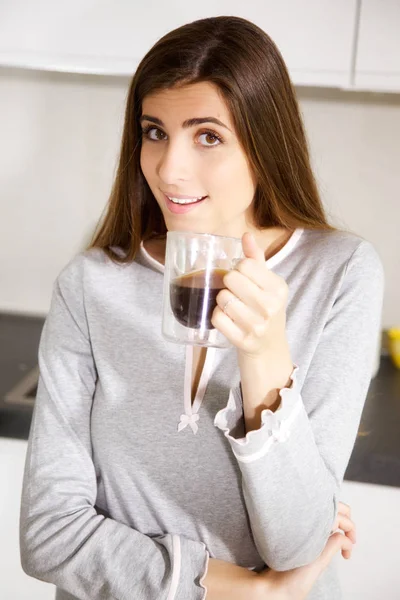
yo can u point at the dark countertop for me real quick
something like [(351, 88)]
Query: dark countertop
[(376, 454)]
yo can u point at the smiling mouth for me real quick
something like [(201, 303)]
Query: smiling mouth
[(182, 205), (183, 202)]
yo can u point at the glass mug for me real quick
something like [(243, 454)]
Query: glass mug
[(195, 264)]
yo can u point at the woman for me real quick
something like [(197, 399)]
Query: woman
[(156, 471)]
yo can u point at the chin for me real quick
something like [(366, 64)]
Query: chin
[(188, 227)]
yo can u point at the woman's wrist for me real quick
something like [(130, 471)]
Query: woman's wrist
[(265, 588), (227, 581), (262, 589)]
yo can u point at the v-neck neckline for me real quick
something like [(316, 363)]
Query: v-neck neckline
[(203, 381), (191, 416)]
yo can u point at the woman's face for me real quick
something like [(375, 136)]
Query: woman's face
[(194, 160)]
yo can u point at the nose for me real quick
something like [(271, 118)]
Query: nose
[(174, 163)]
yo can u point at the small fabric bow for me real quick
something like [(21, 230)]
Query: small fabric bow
[(189, 420), (280, 432)]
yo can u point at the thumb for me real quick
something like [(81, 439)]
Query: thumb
[(251, 249)]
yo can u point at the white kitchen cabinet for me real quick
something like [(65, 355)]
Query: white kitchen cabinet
[(314, 36), (111, 36), (378, 49)]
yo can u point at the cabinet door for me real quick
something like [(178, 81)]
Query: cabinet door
[(378, 48), (111, 36), (316, 37)]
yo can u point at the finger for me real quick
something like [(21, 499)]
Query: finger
[(346, 554), (251, 249), (244, 317), (263, 277), (337, 542), (262, 302), (343, 521), (344, 509), (227, 327), (348, 526)]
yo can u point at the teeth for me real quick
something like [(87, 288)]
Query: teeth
[(184, 200)]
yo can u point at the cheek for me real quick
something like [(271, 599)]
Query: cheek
[(145, 162), (148, 162), (232, 178)]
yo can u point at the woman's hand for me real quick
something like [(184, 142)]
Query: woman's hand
[(343, 521), (297, 583), (251, 311)]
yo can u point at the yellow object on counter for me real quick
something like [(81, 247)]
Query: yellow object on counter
[(394, 346)]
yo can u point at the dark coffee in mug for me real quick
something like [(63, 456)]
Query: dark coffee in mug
[(193, 297)]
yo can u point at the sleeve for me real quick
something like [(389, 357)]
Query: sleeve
[(63, 538), (293, 466)]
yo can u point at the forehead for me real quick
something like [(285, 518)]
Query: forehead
[(194, 100)]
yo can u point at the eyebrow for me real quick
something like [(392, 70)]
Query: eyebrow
[(186, 124)]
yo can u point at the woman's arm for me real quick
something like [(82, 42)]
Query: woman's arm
[(225, 581), (293, 465), (63, 539)]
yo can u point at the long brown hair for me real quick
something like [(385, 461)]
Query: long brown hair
[(243, 62)]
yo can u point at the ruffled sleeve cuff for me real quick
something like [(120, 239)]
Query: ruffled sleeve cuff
[(275, 426), (191, 561)]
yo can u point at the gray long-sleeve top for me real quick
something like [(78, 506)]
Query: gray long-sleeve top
[(129, 489)]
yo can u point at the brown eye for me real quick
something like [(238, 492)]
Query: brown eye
[(212, 139), (147, 133)]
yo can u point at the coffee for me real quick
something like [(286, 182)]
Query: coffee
[(193, 297)]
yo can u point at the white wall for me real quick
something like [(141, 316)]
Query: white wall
[(58, 147)]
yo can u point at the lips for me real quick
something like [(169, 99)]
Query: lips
[(179, 209)]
